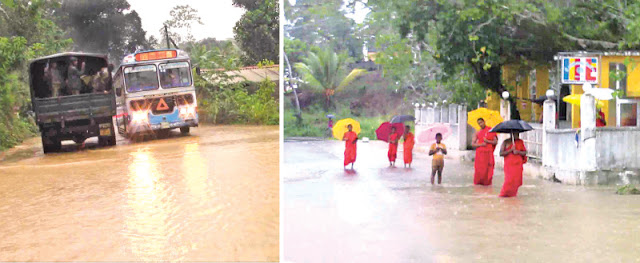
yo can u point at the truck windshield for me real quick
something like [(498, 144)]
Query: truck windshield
[(174, 75), (141, 78)]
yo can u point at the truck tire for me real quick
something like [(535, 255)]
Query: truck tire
[(50, 145), (184, 130)]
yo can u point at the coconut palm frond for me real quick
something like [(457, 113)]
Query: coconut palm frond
[(353, 75), (308, 75)]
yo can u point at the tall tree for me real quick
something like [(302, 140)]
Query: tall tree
[(183, 17), (258, 31), (323, 24), (102, 26)]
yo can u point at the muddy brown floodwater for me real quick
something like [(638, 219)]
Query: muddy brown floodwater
[(208, 196), (382, 214)]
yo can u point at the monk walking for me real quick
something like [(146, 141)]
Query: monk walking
[(393, 147), (515, 156), (408, 146), (485, 143), (350, 139)]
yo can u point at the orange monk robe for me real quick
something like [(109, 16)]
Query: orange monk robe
[(484, 162), (393, 147), (513, 170), (408, 148), (350, 147)]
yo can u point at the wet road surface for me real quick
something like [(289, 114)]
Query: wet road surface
[(209, 196), (382, 214)]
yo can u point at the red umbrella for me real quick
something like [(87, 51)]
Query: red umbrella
[(429, 135), (384, 130)]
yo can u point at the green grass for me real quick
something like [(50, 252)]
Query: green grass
[(314, 122)]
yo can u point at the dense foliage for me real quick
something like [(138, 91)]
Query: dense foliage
[(258, 31)]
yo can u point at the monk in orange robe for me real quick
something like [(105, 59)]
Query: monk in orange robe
[(408, 146), (350, 138), (515, 156), (485, 143), (393, 147)]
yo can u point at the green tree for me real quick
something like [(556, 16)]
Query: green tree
[(102, 26), (325, 70), (183, 17), (258, 30), (323, 24), (31, 34)]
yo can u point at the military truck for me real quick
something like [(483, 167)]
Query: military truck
[(72, 98)]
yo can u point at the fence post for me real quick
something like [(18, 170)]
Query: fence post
[(587, 149), (462, 127), (548, 123)]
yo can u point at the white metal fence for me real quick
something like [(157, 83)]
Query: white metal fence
[(533, 141)]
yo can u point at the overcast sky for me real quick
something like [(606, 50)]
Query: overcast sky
[(358, 16), (218, 16)]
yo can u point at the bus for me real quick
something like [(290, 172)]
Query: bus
[(155, 93)]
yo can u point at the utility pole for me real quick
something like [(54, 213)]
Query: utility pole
[(166, 35), (295, 93)]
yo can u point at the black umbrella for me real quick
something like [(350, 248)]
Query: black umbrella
[(402, 118), (512, 126)]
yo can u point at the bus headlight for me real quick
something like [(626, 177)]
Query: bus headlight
[(140, 117), (188, 112)]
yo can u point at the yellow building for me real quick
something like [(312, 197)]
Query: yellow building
[(530, 83), (525, 84)]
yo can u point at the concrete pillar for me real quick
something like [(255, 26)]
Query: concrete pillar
[(505, 110), (587, 133), (548, 123), (462, 127), (416, 114)]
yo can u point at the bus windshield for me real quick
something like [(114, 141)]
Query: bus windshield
[(141, 78), (175, 74)]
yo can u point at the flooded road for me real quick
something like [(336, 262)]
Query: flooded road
[(209, 196), (382, 214)]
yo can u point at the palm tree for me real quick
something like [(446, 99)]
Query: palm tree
[(324, 70)]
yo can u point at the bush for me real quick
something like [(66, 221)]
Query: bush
[(233, 104)]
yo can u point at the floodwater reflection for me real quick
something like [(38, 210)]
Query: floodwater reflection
[(209, 196), (149, 203)]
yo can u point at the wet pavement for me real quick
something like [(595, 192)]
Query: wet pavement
[(210, 196), (382, 214)]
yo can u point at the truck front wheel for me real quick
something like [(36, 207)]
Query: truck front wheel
[(184, 130)]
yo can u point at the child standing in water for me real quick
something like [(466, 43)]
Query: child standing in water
[(438, 150)]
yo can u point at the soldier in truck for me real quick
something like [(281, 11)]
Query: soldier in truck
[(53, 76), (74, 83)]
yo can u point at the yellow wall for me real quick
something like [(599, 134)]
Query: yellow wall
[(509, 75), (542, 85), (575, 109), (493, 100), (633, 82)]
